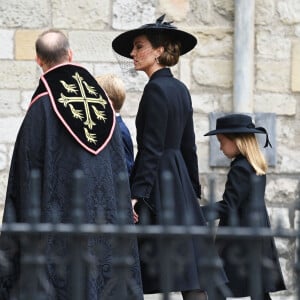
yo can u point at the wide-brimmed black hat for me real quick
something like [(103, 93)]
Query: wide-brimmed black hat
[(123, 43), (238, 123)]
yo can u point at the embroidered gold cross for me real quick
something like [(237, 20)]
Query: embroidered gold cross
[(85, 97)]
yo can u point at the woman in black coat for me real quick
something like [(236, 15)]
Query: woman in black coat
[(247, 174), (165, 142)]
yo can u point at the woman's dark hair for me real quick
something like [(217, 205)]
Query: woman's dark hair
[(172, 47)]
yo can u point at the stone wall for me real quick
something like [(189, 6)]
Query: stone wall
[(207, 70)]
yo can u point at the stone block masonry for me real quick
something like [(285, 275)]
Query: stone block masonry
[(207, 71), (296, 66)]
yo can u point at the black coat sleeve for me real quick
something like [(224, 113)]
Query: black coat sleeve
[(237, 190), (189, 153), (151, 125)]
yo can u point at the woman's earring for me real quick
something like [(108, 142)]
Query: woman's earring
[(157, 60)]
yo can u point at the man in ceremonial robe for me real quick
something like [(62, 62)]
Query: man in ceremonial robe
[(69, 126)]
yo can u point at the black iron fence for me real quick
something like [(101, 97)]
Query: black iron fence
[(32, 284)]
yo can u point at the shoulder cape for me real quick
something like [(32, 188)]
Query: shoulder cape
[(80, 104)]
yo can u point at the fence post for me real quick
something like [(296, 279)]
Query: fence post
[(77, 279), (31, 257), (255, 258), (165, 243), (122, 258), (211, 259), (213, 263), (297, 258)]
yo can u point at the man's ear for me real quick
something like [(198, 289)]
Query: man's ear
[(39, 61), (70, 55)]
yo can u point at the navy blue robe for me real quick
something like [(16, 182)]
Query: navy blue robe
[(44, 143)]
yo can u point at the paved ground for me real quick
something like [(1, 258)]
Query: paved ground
[(172, 296), (177, 296)]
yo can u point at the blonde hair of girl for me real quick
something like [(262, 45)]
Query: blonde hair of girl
[(249, 147)]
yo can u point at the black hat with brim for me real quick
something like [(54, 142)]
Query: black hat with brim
[(237, 124), (123, 43)]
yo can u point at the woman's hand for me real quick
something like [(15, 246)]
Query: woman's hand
[(135, 215)]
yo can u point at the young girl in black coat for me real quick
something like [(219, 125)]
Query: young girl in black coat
[(247, 173)]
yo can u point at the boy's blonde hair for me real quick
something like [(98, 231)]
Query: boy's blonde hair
[(249, 147), (115, 89)]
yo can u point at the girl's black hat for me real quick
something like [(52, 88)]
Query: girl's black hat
[(123, 43), (238, 123)]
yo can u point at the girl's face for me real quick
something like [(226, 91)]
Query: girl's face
[(144, 55), (228, 146)]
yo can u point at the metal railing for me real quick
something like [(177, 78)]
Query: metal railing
[(32, 282)]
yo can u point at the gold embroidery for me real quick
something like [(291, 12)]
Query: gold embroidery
[(85, 97), (77, 113), (91, 137), (99, 114), (71, 88), (90, 89)]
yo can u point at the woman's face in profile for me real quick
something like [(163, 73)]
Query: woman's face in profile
[(144, 55)]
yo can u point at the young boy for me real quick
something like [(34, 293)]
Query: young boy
[(115, 89)]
